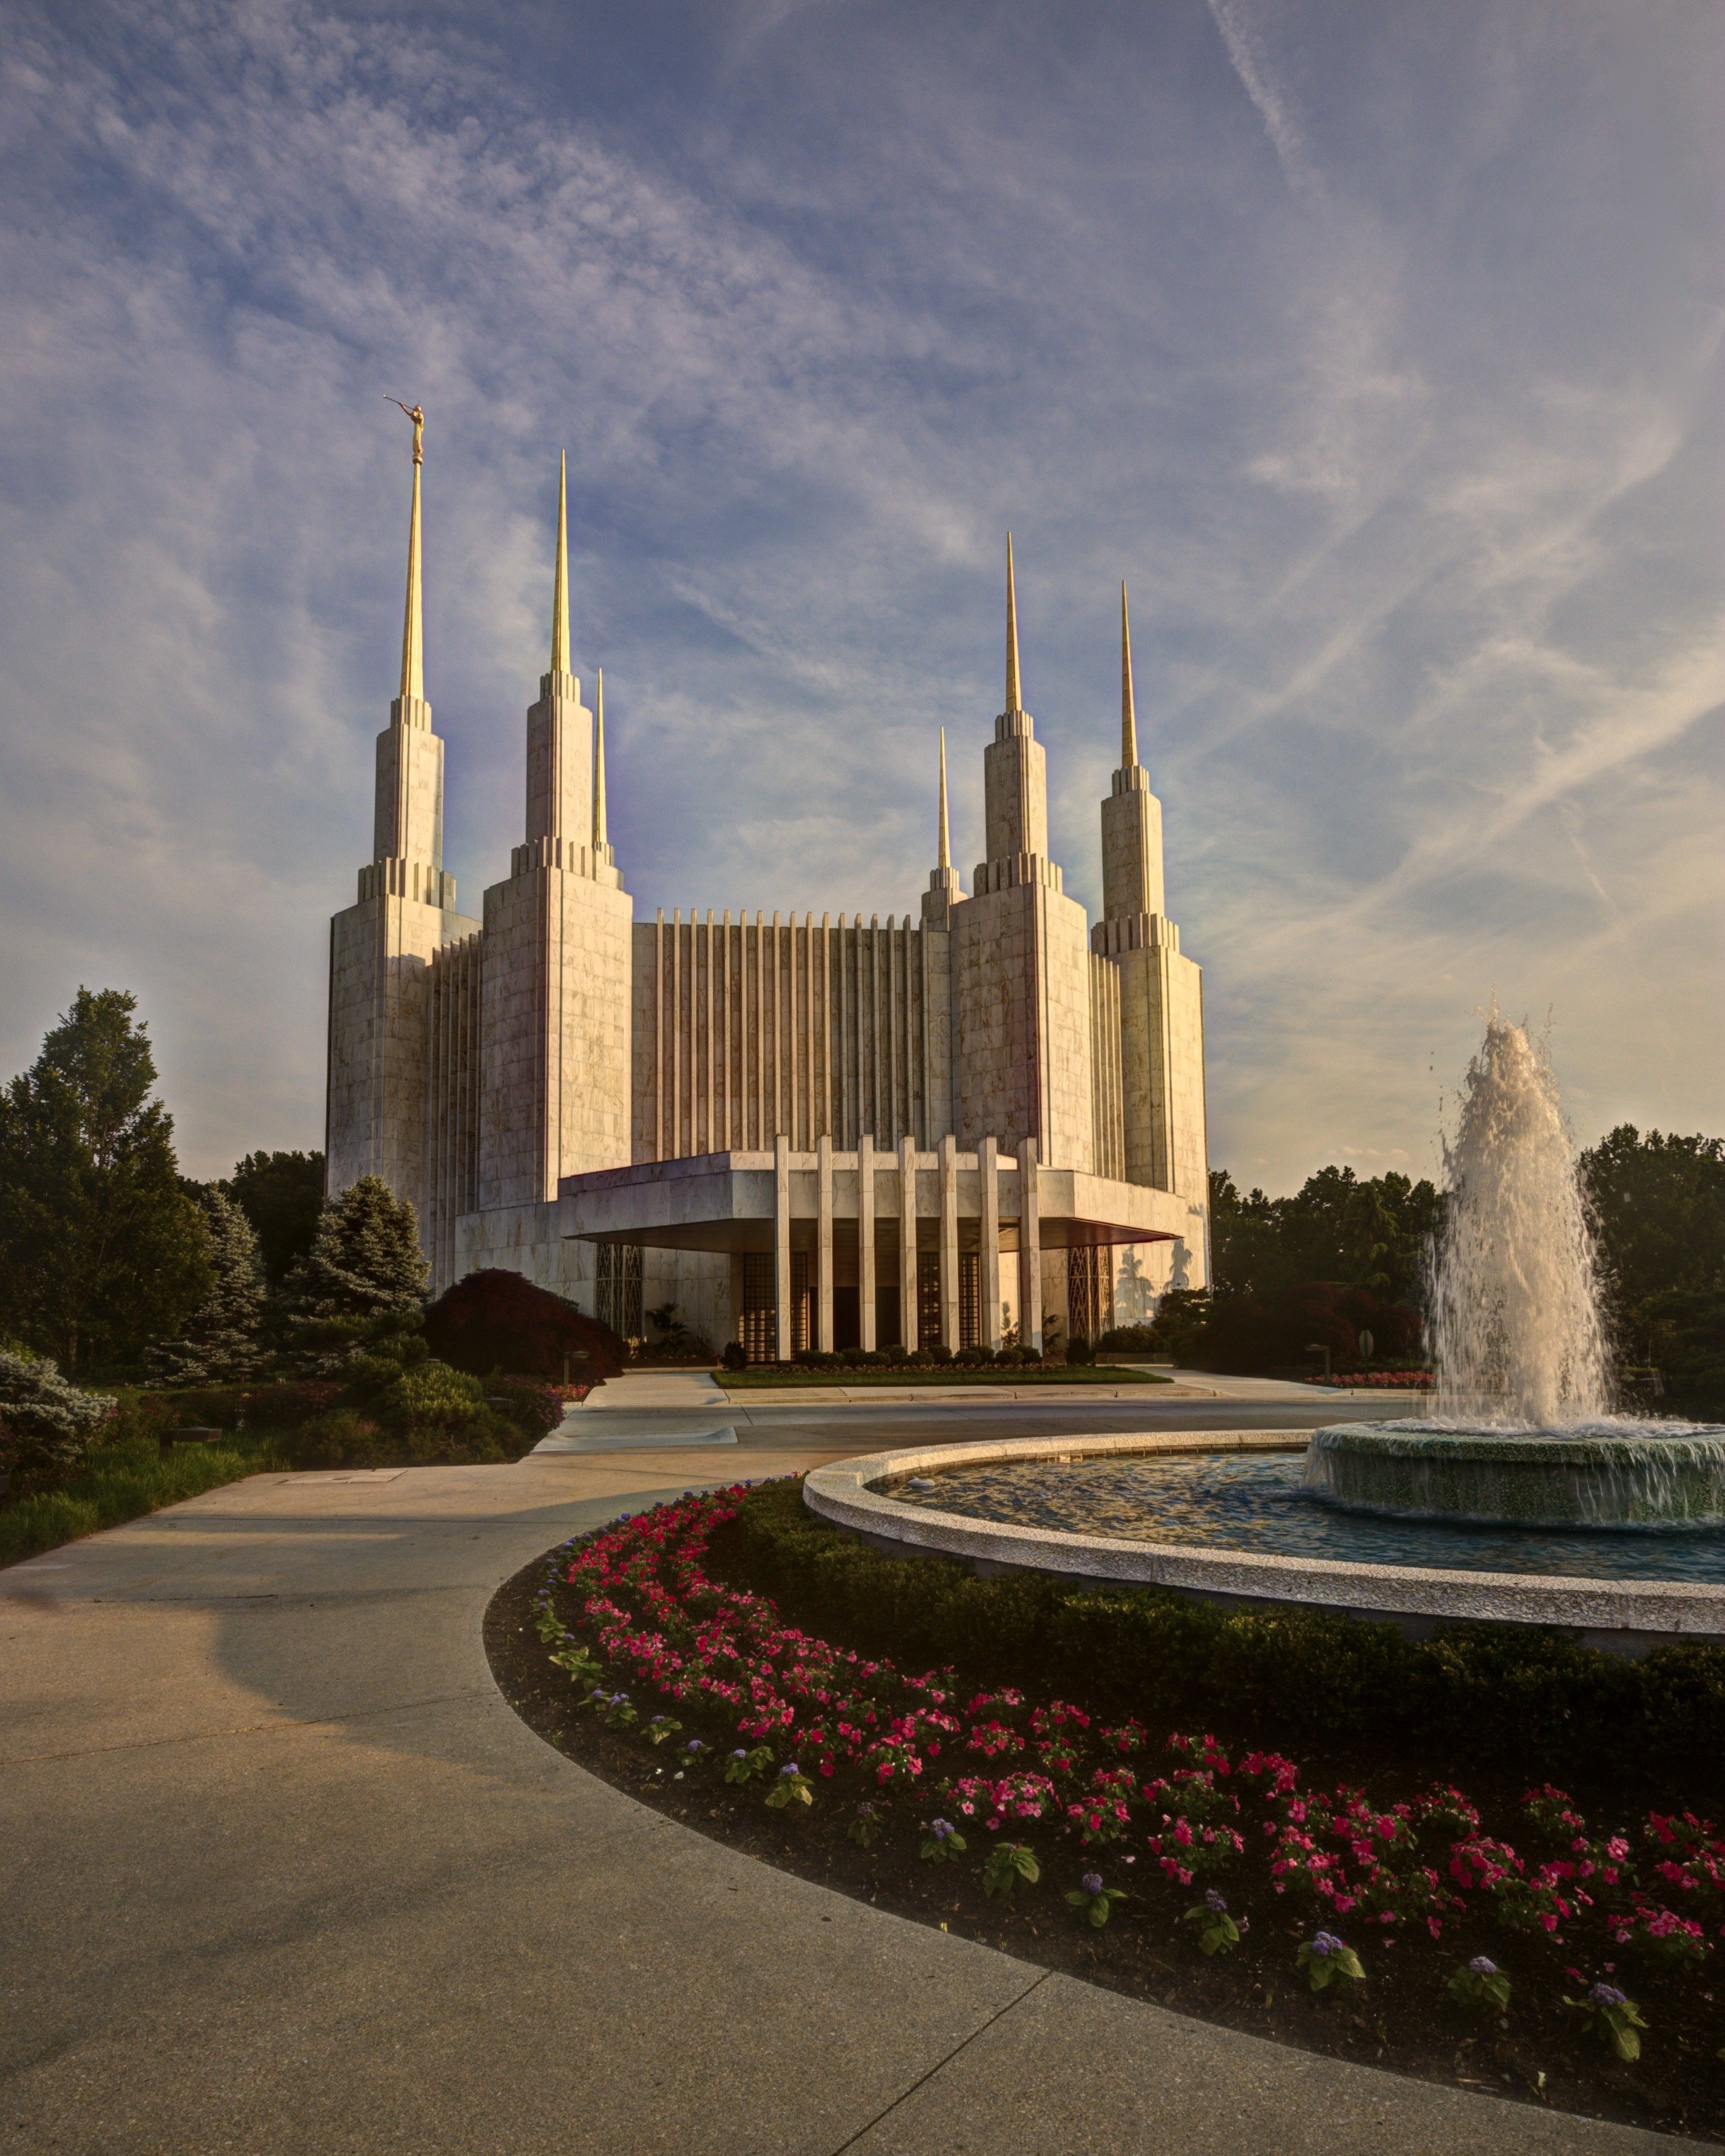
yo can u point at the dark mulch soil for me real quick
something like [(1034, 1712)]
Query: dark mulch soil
[(1401, 2019)]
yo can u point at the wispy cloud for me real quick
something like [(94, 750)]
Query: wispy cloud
[(1403, 442)]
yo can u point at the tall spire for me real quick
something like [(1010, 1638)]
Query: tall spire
[(945, 853), (1013, 699), (1128, 718), (413, 633), (560, 595), (598, 765)]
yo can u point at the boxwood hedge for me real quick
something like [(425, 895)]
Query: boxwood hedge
[(1515, 1700)]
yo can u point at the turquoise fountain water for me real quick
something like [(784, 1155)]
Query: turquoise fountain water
[(1524, 1434)]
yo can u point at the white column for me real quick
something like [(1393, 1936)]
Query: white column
[(866, 1240), (949, 1240), (823, 1243), (782, 1245), (907, 1241), (989, 1285), (1029, 1249)]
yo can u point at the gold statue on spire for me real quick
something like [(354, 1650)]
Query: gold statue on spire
[(417, 416), (413, 638)]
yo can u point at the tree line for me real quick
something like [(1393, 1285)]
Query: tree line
[(1347, 1255)]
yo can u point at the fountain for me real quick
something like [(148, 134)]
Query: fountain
[(1524, 1499), (1524, 1435)]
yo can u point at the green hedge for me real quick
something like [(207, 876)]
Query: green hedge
[(1511, 1699)]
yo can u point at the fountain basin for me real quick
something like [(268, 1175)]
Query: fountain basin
[(1647, 1476), (899, 1503)]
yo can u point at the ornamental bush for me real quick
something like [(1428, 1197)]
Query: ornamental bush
[(500, 1320)]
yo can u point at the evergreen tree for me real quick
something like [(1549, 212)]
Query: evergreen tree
[(100, 1249), (220, 1340), (281, 1194), (364, 1262)]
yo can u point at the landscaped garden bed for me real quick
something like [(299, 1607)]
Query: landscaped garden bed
[(1316, 1830)]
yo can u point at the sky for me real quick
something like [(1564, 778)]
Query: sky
[(1377, 349)]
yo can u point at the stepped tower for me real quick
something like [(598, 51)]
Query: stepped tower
[(555, 1097), (381, 947), (1022, 1059), (1161, 1108)]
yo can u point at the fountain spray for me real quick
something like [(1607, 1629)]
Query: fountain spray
[(1513, 1291)]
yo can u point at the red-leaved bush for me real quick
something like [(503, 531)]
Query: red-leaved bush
[(500, 1321)]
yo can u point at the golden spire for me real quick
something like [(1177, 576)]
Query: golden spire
[(412, 633), (598, 764), (559, 595), (945, 856), (1128, 718), (1012, 701)]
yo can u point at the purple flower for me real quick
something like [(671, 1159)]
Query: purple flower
[(1325, 1944), (1483, 1965), (940, 1829), (790, 1767), (695, 1744), (1214, 1902), (866, 1811), (1091, 1883), (1608, 1995), (739, 1754)]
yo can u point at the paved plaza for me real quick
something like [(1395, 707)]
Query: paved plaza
[(284, 1873)]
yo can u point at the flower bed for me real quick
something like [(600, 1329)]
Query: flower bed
[(1537, 1950), (1400, 1381)]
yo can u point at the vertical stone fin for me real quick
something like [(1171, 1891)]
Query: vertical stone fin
[(560, 592), (1014, 700), (599, 838)]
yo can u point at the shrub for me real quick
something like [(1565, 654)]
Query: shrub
[(500, 1320), (1078, 1349), (430, 1396), (1520, 1698), (288, 1406), (1130, 1340), (735, 1355), (535, 1410), (339, 1438), (46, 1424)]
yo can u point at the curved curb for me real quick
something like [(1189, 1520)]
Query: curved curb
[(1622, 1616)]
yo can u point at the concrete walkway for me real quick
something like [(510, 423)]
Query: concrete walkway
[(282, 1872)]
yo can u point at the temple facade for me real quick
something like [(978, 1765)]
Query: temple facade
[(982, 1121)]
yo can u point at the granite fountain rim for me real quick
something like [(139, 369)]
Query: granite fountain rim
[(1627, 1615)]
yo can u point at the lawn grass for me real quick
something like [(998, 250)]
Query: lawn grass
[(121, 1482), (948, 1374)]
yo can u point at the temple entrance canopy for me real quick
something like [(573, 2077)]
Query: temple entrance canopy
[(867, 1249)]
